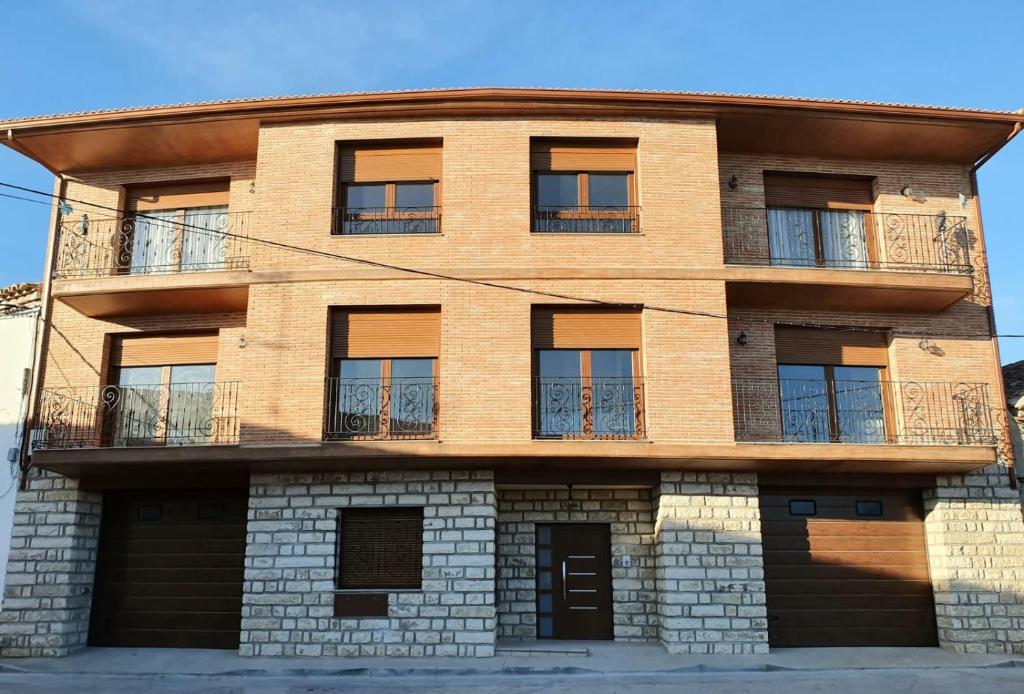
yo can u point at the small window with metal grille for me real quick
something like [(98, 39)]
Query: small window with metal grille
[(380, 548)]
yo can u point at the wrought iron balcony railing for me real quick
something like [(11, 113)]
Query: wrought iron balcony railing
[(194, 241), (865, 412), (846, 239), (176, 414), (588, 408), (387, 220), (381, 408), (586, 220)]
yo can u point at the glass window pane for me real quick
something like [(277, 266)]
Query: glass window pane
[(204, 244), (190, 404), (154, 242), (544, 558), (843, 238), (558, 191), (803, 507), (804, 400), (364, 196), (411, 395), (858, 392), (357, 394), (135, 406), (544, 603), (544, 580), (614, 395), (544, 535), (869, 508), (559, 393), (791, 237), (545, 627), (414, 195), (608, 191)]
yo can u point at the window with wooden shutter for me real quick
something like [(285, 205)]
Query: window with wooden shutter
[(178, 196), (164, 350), (820, 221), (584, 185), (380, 548), (587, 373), (383, 382), (389, 187)]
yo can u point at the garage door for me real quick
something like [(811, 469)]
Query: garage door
[(846, 568), (169, 570)]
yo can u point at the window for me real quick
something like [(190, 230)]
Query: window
[(389, 188), (583, 186), (832, 385), (587, 368), (803, 507), (162, 393), (380, 548), (869, 509), (171, 228), (383, 380), (819, 220)]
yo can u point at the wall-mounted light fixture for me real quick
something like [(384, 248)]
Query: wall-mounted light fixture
[(963, 201), (742, 339), (734, 183), (932, 348), (907, 192)]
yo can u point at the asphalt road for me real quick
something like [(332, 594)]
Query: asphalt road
[(996, 680)]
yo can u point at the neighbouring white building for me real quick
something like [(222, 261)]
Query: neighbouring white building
[(19, 316)]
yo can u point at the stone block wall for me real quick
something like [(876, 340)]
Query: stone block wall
[(975, 535), (709, 567), (629, 513), (290, 566), (50, 571)]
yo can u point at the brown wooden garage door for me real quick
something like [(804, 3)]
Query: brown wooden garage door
[(846, 568), (169, 571)]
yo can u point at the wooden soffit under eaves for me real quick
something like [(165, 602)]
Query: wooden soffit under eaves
[(207, 133)]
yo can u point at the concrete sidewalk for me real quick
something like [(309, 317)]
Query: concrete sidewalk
[(514, 658)]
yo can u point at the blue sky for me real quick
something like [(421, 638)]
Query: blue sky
[(71, 56)]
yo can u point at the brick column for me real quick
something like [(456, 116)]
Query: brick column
[(975, 536), (51, 567), (288, 602), (710, 576)]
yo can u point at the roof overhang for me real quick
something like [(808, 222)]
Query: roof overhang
[(229, 131)]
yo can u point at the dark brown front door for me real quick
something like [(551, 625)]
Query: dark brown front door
[(846, 567), (574, 581), (169, 569)]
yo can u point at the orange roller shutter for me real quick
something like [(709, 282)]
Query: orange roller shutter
[(571, 328), (835, 347), (817, 191), (163, 350), (145, 198), (381, 332), (380, 163), (583, 155)]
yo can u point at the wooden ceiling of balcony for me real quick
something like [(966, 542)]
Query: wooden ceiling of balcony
[(229, 131)]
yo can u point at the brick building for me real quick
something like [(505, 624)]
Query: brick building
[(408, 373)]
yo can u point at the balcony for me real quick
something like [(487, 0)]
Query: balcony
[(367, 409), (164, 415), (862, 412), (846, 259), (586, 220), (356, 221), (147, 245), (600, 408)]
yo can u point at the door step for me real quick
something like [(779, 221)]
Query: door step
[(541, 649)]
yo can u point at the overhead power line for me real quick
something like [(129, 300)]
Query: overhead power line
[(454, 278)]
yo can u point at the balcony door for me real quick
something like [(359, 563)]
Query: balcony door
[(833, 404), (175, 228), (382, 398), (819, 221), (587, 393)]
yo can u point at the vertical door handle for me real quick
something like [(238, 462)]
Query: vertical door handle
[(564, 591)]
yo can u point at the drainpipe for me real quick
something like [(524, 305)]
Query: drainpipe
[(1000, 389), (42, 330)]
